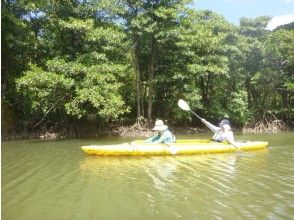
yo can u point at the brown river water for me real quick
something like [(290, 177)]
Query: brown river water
[(56, 180)]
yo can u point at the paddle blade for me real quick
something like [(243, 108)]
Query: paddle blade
[(183, 105)]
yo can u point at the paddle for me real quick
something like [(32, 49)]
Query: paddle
[(183, 105)]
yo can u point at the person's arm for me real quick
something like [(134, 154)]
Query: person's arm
[(162, 138), (211, 126), (152, 139)]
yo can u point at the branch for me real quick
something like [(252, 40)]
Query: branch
[(160, 67), (47, 113)]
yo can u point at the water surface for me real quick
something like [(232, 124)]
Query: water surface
[(56, 180)]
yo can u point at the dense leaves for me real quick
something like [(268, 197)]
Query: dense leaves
[(101, 62)]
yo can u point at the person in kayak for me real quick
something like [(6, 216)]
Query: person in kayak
[(164, 134), (223, 132)]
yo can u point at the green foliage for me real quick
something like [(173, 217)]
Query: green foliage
[(44, 89), (238, 107), (94, 60), (75, 88), (84, 78), (278, 71), (203, 48)]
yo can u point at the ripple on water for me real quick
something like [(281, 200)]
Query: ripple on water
[(255, 185)]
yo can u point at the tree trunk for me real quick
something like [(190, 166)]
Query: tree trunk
[(151, 81), (138, 78), (204, 94)]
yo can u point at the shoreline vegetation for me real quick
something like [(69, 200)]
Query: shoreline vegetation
[(138, 130), (80, 69)]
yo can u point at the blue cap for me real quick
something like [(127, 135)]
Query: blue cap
[(224, 122)]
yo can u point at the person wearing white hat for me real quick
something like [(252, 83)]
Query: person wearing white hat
[(223, 132), (164, 134)]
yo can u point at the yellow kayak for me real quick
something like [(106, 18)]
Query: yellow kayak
[(181, 147)]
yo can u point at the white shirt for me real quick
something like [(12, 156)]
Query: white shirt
[(221, 134)]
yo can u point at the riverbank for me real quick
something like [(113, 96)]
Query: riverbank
[(135, 130), (118, 131)]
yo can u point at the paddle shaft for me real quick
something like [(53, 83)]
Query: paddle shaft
[(196, 115), (202, 119)]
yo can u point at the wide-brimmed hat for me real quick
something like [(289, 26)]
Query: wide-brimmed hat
[(159, 126)]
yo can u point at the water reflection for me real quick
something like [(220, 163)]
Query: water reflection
[(196, 182), (166, 170), (45, 180)]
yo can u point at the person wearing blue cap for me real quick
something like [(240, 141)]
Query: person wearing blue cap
[(223, 132)]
